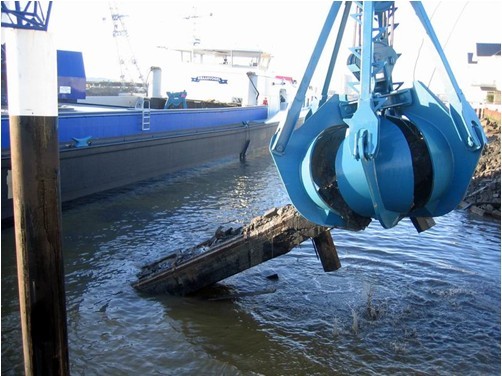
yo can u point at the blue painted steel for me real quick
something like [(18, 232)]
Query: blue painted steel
[(117, 124), (292, 147), (453, 160), (465, 120), (382, 186), (334, 55), (30, 15), (363, 139), (404, 152), (71, 75), (285, 129), (295, 164), (82, 142), (176, 99), (363, 132)]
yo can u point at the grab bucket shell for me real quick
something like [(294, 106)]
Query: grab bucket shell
[(422, 166), (393, 170)]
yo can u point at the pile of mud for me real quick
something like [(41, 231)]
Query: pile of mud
[(483, 194)]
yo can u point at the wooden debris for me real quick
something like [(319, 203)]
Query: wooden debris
[(273, 277), (325, 248), (423, 223), (232, 251), (477, 210)]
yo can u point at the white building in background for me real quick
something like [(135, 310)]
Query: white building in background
[(486, 71)]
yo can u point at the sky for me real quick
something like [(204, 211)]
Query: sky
[(287, 29)]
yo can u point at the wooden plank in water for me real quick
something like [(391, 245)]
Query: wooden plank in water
[(271, 235)]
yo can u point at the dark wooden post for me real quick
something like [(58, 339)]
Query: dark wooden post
[(326, 249), (32, 95)]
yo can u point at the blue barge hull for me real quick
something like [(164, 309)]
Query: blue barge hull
[(129, 123), (122, 153)]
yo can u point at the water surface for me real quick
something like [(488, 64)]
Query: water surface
[(402, 303)]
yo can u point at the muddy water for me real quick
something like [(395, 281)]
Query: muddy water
[(403, 303)]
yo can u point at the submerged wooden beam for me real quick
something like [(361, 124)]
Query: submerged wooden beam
[(233, 251)]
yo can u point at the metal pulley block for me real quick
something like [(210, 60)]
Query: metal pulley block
[(391, 154)]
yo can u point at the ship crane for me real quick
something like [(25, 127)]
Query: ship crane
[(395, 152), (129, 68)]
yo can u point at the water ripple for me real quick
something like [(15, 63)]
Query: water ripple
[(402, 303)]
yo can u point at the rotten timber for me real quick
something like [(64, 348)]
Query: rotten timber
[(232, 251)]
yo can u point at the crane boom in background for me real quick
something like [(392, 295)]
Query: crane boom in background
[(129, 68)]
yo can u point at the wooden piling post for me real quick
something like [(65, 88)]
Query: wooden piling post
[(325, 248), (33, 110)]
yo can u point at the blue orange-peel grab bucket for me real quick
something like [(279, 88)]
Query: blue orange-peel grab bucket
[(389, 154)]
